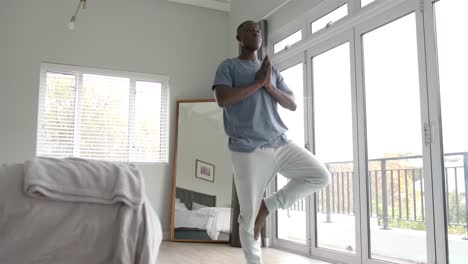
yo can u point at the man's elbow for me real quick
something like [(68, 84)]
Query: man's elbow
[(292, 102), (293, 107), (220, 101), (218, 98)]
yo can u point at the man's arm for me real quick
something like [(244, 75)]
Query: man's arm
[(228, 96), (285, 98)]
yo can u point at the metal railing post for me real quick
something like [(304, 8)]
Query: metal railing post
[(327, 195), (465, 170), (384, 194)]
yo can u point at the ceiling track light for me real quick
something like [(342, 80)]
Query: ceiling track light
[(81, 4)]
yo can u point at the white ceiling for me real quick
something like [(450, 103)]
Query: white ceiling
[(221, 5)]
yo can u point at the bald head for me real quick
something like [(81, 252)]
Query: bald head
[(241, 26), (249, 35)]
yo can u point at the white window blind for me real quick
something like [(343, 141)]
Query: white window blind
[(101, 114)]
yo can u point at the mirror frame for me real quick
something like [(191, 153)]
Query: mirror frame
[(174, 174)]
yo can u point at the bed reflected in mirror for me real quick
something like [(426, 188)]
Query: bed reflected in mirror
[(202, 174)]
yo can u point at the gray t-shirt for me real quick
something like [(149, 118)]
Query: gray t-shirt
[(254, 122)]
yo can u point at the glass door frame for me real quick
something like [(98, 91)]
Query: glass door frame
[(437, 238), (399, 11), (275, 241), (435, 108), (312, 52)]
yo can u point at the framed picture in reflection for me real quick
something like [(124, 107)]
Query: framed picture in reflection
[(204, 170)]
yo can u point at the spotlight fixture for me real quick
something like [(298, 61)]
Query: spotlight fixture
[(72, 22)]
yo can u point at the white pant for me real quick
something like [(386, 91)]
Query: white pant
[(254, 171)]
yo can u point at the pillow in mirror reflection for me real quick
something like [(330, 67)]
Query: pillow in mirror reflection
[(180, 206), (197, 206)]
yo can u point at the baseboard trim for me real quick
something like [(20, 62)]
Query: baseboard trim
[(166, 235)]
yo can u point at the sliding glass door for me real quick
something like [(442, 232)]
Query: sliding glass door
[(333, 135), (395, 164), (385, 104), (290, 225), (396, 141), (333, 145), (448, 68)]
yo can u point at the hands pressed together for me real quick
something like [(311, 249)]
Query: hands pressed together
[(263, 76)]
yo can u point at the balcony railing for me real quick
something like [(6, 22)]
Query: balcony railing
[(396, 191)]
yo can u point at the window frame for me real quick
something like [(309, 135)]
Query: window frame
[(78, 72), (359, 21)]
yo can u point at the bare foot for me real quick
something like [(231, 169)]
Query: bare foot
[(260, 221)]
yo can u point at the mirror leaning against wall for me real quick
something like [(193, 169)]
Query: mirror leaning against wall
[(202, 174)]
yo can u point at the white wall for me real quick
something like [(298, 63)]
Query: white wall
[(2, 77), (149, 36)]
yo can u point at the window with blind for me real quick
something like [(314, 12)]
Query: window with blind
[(102, 114)]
